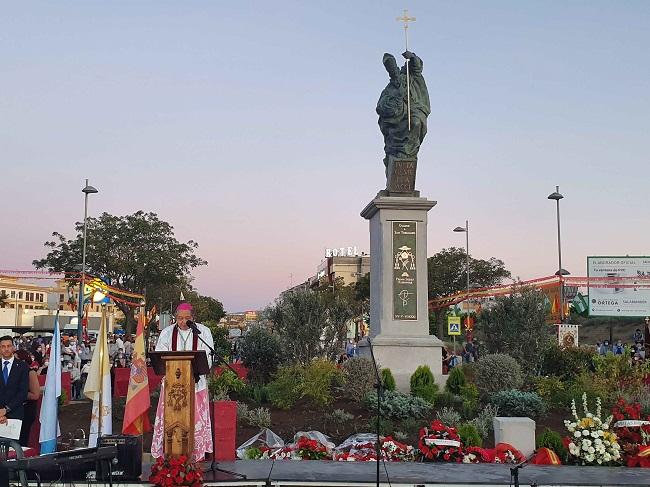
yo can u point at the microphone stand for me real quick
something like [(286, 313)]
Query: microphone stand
[(380, 392), (514, 472), (216, 359)]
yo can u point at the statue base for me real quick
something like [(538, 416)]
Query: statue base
[(400, 177), (399, 315)]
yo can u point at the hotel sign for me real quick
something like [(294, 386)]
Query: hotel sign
[(342, 252), (405, 296)]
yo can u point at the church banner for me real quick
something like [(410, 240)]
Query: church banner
[(405, 295)]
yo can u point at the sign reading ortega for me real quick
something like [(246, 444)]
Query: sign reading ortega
[(405, 295)]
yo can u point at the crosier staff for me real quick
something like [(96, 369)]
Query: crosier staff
[(406, 19)]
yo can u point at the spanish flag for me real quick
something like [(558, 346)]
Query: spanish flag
[(136, 412)]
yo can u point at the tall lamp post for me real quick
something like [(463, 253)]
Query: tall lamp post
[(466, 231), (86, 191), (557, 196)]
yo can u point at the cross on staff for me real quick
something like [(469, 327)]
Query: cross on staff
[(406, 19)]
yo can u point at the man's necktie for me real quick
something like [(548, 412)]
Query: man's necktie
[(5, 371)]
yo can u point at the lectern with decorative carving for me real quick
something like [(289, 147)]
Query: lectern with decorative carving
[(181, 370)]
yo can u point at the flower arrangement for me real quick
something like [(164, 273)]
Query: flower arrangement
[(308, 449), (175, 471), (591, 442), (366, 451), (440, 443), (633, 433)]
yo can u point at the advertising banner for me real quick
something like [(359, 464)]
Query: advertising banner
[(626, 300), (405, 291)]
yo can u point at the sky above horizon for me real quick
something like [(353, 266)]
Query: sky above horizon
[(251, 128)]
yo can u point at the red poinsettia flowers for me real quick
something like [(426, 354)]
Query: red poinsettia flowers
[(175, 471)]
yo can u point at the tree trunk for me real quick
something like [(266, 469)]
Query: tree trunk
[(129, 319)]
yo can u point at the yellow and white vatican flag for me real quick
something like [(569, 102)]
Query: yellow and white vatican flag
[(98, 387)]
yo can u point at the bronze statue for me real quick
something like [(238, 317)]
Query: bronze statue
[(403, 131)]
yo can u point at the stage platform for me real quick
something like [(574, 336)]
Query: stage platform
[(322, 473)]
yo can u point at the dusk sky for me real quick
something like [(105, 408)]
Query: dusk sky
[(251, 128)]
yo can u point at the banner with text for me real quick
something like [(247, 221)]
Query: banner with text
[(405, 288), (626, 300)]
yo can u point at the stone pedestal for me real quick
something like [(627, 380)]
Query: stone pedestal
[(518, 432), (399, 317)]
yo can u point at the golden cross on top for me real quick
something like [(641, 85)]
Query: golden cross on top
[(406, 19)]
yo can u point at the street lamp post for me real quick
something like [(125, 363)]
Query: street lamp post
[(466, 231), (557, 196), (86, 191)]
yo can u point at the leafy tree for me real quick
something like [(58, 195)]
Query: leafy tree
[(447, 272), (205, 308), (516, 325), (261, 352), (219, 337), (311, 324), (137, 252), (4, 299)]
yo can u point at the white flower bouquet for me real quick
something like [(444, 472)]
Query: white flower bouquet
[(591, 442)]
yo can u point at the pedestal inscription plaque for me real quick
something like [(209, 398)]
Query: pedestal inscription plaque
[(405, 295)]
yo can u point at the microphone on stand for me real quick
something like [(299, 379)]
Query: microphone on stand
[(192, 326)]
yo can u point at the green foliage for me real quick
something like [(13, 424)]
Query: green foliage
[(396, 405), (63, 398), (260, 418), (312, 324), (469, 435), (554, 391), (319, 378), (219, 337), (134, 252), (470, 397), (566, 363), (447, 274), (385, 425), (286, 388), (256, 393), (359, 376), (497, 372), (314, 383), (552, 440), (412, 426), (261, 352), (221, 386), (423, 384), (516, 325), (337, 419), (514, 403), (448, 416), (4, 298), (484, 420), (388, 380), (206, 308), (447, 399), (455, 381)]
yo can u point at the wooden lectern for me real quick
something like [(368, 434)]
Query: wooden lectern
[(179, 369)]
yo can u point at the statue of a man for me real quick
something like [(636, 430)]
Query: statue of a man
[(399, 141)]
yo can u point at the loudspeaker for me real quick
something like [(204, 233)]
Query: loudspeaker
[(128, 464)]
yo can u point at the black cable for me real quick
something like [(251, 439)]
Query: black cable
[(268, 479)]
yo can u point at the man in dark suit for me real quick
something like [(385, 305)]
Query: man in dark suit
[(14, 382)]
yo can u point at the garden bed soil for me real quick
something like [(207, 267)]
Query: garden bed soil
[(286, 424)]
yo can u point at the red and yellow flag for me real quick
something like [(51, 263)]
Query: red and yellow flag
[(136, 412)]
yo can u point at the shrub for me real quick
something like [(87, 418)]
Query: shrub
[(456, 381), (449, 417), (242, 412), (261, 352), (396, 405), (484, 421), (257, 393), (285, 389), (319, 378), (469, 435), (221, 386), (553, 391), (339, 416), (567, 362), (388, 380), (447, 399), (260, 417), (553, 440), (412, 426), (385, 425), (497, 372), (359, 376), (516, 403), (423, 384)]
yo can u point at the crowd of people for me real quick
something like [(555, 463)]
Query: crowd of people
[(636, 348)]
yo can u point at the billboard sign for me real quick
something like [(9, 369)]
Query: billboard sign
[(626, 300)]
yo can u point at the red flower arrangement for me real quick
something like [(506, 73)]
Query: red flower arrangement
[(366, 451), (307, 449), (440, 443), (633, 433), (175, 471)]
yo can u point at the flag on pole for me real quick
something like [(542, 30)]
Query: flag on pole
[(580, 304), (98, 387), (50, 405), (136, 412)]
